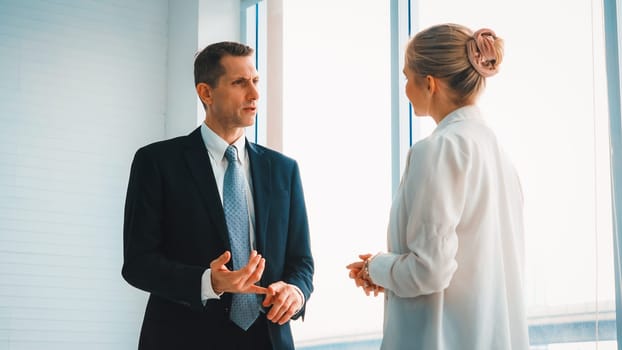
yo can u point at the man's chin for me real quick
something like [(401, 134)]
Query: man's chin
[(249, 120)]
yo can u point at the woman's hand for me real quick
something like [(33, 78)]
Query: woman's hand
[(360, 274)]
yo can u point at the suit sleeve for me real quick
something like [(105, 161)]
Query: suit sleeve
[(145, 266), (299, 261)]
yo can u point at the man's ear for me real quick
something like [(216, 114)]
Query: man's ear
[(205, 93)]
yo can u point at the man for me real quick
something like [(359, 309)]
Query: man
[(215, 226)]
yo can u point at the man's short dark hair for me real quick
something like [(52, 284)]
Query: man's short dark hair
[(207, 66)]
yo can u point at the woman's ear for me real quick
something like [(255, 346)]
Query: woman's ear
[(205, 93), (431, 84)]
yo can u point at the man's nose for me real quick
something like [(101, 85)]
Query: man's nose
[(253, 92)]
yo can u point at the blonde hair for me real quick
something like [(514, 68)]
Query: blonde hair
[(452, 52)]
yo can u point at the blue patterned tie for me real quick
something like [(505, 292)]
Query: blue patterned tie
[(244, 308)]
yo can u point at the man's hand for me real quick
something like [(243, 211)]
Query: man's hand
[(285, 301), (239, 281)]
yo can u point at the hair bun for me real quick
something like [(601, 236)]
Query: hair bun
[(482, 52)]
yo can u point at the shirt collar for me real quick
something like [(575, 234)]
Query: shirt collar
[(217, 146), (462, 113)]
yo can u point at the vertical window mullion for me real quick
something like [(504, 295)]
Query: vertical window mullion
[(615, 137)]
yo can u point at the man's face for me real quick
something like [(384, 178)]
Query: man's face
[(233, 102)]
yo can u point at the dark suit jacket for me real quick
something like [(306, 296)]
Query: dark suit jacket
[(175, 226)]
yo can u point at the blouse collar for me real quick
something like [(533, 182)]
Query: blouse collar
[(460, 114)]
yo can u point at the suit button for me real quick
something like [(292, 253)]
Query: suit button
[(227, 310)]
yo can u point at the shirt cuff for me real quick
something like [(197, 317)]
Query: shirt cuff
[(377, 267), (302, 296), (207, 291)]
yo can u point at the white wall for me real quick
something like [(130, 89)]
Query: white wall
[(219, 20), (84, 84), (183, 38)]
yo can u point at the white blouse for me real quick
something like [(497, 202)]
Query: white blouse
[(453, 273)]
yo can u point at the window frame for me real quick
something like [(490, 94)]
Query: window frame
[(253, 30), (612, 56)]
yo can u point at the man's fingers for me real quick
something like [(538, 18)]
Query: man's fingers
[(255, 289), (282, 310), (285, 300), (254, 276), (267, 301), (279, 307), (253, 260), (221, 260), (252, 272), (273, 291), (284, 315), (238, 281)]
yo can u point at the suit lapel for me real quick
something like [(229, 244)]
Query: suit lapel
[(201, 169), (260, 173)]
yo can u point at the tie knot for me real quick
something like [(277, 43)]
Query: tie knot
[(231, 154)]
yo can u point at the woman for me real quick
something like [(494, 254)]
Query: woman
[(453, 273)]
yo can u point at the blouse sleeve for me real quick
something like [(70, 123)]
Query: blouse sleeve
[(430, 207)]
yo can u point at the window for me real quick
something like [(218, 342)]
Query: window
[(336, 124), (548, 107)]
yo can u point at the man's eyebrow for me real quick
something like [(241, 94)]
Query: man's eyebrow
[(243, 77)]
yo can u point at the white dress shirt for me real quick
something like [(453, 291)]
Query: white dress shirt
[(216, 148), (454, 269)]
